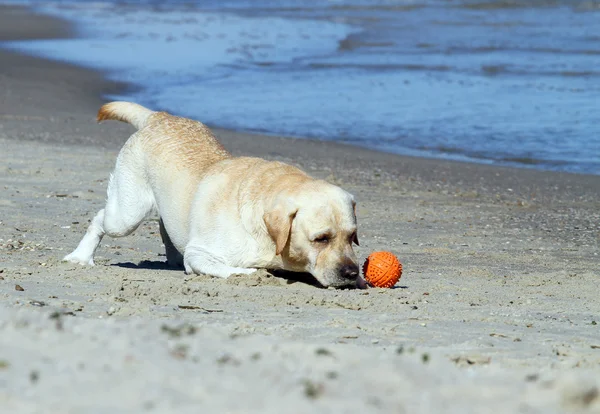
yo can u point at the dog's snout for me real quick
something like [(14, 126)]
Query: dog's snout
[(349, 271)]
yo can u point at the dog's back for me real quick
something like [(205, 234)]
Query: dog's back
[(168, 140)]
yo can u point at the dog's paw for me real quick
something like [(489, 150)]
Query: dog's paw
[(73, 258)]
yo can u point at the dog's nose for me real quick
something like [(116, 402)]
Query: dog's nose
[(349, 271)]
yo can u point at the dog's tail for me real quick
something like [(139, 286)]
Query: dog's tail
[(129, 112)]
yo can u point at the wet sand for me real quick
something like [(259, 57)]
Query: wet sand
[(497, 310)]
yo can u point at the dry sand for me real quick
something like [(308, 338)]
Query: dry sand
[(498, 309)]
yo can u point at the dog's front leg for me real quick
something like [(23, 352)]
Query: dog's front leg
[(198, 260)]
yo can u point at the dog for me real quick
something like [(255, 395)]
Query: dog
[(218, 214)]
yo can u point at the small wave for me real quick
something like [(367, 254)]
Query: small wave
[(548, 50), (381, 7), (494, 69), (510, 4), (480, 24), (582, 6), (309, 9), (524, 160), (531, 161), (383, 67), (485, 70), (579, 74), (350, 43)]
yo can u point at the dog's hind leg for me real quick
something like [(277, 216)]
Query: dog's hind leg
[(174, 258), (84, 253), (129, 202)]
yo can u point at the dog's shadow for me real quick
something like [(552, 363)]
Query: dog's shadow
[(296, 277), (148, 264), (290, 277)]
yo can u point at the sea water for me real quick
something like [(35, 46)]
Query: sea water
[(494, 81)]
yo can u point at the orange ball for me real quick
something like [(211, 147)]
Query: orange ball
[(382, 269)]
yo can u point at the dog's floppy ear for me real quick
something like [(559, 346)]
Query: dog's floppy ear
[(355, 238), (279, 224)]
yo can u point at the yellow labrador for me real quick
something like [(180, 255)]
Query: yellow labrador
[(221, 215)]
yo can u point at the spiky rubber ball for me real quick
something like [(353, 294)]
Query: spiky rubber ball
[(382, 269)]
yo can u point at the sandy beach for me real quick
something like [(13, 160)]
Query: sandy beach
[(497, 310)]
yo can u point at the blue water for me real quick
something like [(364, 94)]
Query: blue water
[(494, 81)]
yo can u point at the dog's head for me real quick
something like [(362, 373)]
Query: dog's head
[(313, 227)]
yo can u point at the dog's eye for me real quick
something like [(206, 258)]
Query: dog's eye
[(322, 239)]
